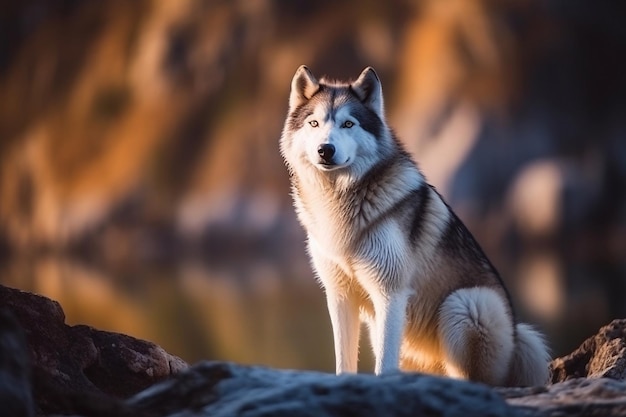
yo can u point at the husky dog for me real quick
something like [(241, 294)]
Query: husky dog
[(390, 252)]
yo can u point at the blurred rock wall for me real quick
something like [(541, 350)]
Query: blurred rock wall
[(144, 128)]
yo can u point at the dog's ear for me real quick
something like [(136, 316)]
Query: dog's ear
[(303, 86), (370, 91)]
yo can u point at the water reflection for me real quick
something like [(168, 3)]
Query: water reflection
[(263, 312), (251, 313)]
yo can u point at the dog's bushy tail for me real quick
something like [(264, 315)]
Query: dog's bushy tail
[(529, 365)]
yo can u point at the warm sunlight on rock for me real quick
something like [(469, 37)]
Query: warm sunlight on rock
[(535, 198), (541, 285), (441, 157)]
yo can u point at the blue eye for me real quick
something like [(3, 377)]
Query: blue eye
[(314, 123), (347, 124)]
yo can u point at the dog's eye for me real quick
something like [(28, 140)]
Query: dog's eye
[(314, 123), (347, 124)]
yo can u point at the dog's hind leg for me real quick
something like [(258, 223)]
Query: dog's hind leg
[(476, 332)]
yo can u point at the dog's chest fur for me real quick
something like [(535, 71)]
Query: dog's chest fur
[(342, 213)]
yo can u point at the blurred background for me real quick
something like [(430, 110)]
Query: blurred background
[(141, 184)]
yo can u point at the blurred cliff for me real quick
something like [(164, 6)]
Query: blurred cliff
[(134, 134)]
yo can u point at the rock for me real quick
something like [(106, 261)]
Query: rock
[(225, 389), (79, 361), (602, 355), (15, 391), (575, 397)]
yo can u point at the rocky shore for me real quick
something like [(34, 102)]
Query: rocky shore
[(50, 368)]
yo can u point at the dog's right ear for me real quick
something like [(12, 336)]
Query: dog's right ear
[(303, 86)]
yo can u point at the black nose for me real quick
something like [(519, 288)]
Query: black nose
[(326, 151)]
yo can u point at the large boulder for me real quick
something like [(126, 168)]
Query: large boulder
[(602, 355), (79, 359), (225, 389)]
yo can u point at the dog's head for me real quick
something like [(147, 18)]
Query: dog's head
[(334, 126)]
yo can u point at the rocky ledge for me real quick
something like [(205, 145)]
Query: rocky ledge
[(48, 367), (72, 363)]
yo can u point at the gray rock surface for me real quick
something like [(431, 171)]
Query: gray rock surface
[(602, 355), (15, 394), (224, 389), (575, 397)]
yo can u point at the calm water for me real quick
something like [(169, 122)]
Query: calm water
[(258, 311), (254, 313)]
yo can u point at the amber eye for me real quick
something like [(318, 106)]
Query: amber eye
[(314, 123), (348, 124)]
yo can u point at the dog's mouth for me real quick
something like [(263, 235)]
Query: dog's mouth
[(332, 165)]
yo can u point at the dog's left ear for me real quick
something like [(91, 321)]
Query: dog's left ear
[(370, 91)]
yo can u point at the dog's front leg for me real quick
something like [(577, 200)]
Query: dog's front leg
[(390, 318), (344, 317), (343, 309)]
